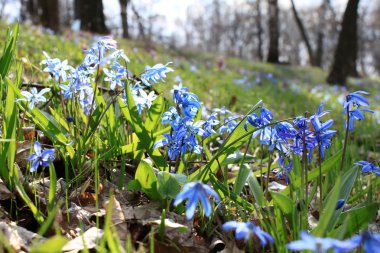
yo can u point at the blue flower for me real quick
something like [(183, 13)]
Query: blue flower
[(245, 230), (117, 54), (178, 91), (340, 203), (356, 114), (370, 242), (285, 130), (270, 138), (222, 111), (105, 44), (355, 99), (155, 73), (368, 167), (352, 105), (34, 97), (209, 125), (190, 104), (171, 116), (309, 242), (55, 67), (40, 157), (91, 60), (303, 133), (229, 125), (265, 118), (172, 144), (196, 192), (115, 75), (144, 100), (321, 130)]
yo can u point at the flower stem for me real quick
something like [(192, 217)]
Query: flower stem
[(320, 181), (268, 171), (345, 140)]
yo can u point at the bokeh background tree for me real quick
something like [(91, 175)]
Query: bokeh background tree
[(337, 36)]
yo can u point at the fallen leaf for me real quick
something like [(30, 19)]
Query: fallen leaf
[(86, 241), (4, 192), (18, 237)]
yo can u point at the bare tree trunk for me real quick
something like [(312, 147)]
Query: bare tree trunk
[(318, 57), (216, 27), (30, 11), (90, 13), (259, 31), (124, 17), (140, 23), (41, 12), (50, 14), (347, 49), (304, 35), (273, 53)]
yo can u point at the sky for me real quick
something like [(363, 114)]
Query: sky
[(175, 11)]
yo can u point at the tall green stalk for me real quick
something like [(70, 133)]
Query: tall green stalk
[(345, 139)]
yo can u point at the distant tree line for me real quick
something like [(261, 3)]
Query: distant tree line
[(346, 44)]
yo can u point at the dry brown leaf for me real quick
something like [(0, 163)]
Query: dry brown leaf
[(4, 192), (87, 240), (18, 237)]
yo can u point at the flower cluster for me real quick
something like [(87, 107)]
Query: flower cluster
[(184, 129), (77, 83), (303, 135)]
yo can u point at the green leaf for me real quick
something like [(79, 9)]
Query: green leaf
[(133, 185), (61, 121), (52, 188), (21, 191), (181, 178), (167, 185), (51, 245), (237, 157), (47, 124), (133, 117), (10, 47), (154, 114), (327, 165), (348, 181), (243, 174), (8, 149), (328, 212), (355, 220), (147, 179), (222, 190), (284, 202), (256, 189)]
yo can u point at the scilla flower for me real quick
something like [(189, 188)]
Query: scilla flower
[(353, 106), (368, 167), (155, 73), (244, 230), (40, 157), (309, 242), (33, 97), (196, 192)]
